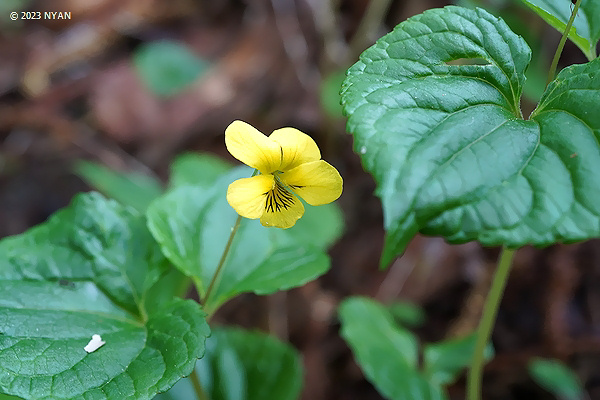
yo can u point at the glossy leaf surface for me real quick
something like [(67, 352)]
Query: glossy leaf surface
[(241, 365), (86, 271), (449, 149)]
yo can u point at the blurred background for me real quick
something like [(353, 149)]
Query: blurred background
[(130, 84)]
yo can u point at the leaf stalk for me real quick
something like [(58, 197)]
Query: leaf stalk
[(561, 44), (219, 269), (490, 310)]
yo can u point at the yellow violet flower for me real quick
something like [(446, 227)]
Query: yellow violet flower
[(290, 165)]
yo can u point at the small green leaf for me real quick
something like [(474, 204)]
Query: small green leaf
[(449, 149), (131, 189), (241, 365), (386, 352), (556, 378), (444, 360), (192, 225), (88, 271), (407, 314), (197, 170), (585, 31), (167, 67)]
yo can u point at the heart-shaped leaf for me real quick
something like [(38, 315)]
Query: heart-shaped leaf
[(448, 147), (386, 352), (585, 31), (88, 271), (193, 224), (241, 365)]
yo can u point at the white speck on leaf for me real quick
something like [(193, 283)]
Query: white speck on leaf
[(363, 150), (94, 344)]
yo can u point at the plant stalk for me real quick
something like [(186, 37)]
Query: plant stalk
[(217, 274), (490, 310), (562, 42)]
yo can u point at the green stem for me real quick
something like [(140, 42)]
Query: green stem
[(561, 44), (222, 260), (198, 389), (490, 310), (217, 274)]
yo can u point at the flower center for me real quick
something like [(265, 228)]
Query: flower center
[(278, 198)]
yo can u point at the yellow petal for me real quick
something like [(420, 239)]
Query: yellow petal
[(316, 182), (296, 147), (247, 196), (251, 147), (282, 208)]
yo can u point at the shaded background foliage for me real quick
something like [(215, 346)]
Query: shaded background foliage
[(72, 90)]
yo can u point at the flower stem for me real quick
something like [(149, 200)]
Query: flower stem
[(561, 44), (217, 274), (198, 389), (222, 261), (490, 310)]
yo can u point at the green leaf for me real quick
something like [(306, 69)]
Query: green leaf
[(172, 284), (241, 365), (131, 189), (448, 148), (444, 360), (556, 378), (585, 31), (229, 369), (197, 170), (192, 225), (407, 314), (8, 397), (386, 352), (167, 67), (88, 271), (320, 226)]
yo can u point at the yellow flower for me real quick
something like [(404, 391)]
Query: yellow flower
[(290, 165)]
